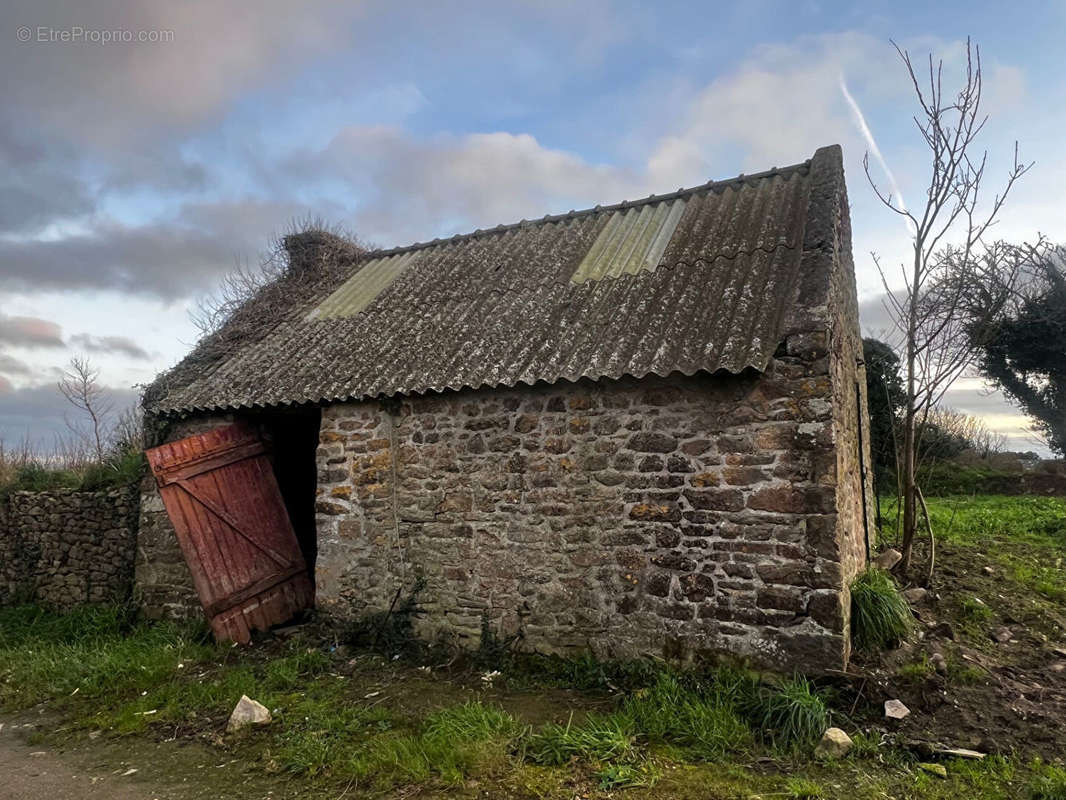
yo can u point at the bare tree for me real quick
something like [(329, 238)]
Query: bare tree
[(947, 237), (956, 431), (80, 386)]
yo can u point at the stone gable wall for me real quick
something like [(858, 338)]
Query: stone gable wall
[(675, 516), (163, 586), (66, 548)]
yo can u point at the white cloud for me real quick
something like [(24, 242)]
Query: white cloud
[(108, 94), (418, 188)]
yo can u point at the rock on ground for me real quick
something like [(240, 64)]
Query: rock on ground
[(835, 743), (888, 559), (894, 709), (916, 595), (247, 712)]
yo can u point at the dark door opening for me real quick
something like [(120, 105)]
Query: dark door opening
[(292, 436)]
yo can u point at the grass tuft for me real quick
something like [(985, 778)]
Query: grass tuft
[(701, 718), (1048, 782), (628, 776), (600, 738), (880, 616), (803, 789), (451, 744), (792, 715)]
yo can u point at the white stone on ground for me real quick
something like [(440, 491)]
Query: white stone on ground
[(835, 743), (894, 709), (247, 712)]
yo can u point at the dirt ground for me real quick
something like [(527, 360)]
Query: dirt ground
[(1015, 699), (83, 768)]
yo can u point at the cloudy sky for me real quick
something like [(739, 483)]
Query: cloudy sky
[(135, 172)]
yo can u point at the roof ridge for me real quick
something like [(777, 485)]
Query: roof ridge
[(584, 212)]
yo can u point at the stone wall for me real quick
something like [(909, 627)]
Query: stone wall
[(163, 587), (675, 516), (66, 548)]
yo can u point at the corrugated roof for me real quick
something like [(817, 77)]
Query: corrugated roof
[(364, 286), (700, 279), (631, 240)]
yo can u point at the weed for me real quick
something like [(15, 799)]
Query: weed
[(917, 671), (803, 789), (975, 610), (601, 737), (964, 674), (1048, 782), (865, 745), (390, 631), (628, 776), (791, 715), (471, 722), (702, 720), (880, 616), (451, 744)]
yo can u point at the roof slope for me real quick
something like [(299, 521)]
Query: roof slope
[(701, 279)]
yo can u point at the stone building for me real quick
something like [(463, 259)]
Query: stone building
[(634, 429)]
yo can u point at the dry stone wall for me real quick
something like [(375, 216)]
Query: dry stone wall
[(676, 516), (66, 548)]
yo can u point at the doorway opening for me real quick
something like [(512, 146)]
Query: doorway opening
[(292, 436)]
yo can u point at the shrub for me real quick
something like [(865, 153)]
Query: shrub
[(880, 616)]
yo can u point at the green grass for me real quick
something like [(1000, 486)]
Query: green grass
[(803, 789), (1048, 782), (628, 776), (975, 610), (117, 469), (93, 652), (599, 738), (983, 520), (637, 726), (880, 616), (451, 744), (791, 715), (917, 670)]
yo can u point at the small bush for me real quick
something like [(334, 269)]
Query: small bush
[(790, 716), (880, 616)]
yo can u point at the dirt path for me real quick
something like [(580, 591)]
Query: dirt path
[(37, 773), (121, 769)]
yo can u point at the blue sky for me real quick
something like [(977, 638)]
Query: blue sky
[(133, 175)]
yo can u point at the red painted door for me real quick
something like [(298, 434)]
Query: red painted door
[(220, 492)]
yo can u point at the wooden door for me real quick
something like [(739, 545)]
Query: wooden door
[(220, 492)]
